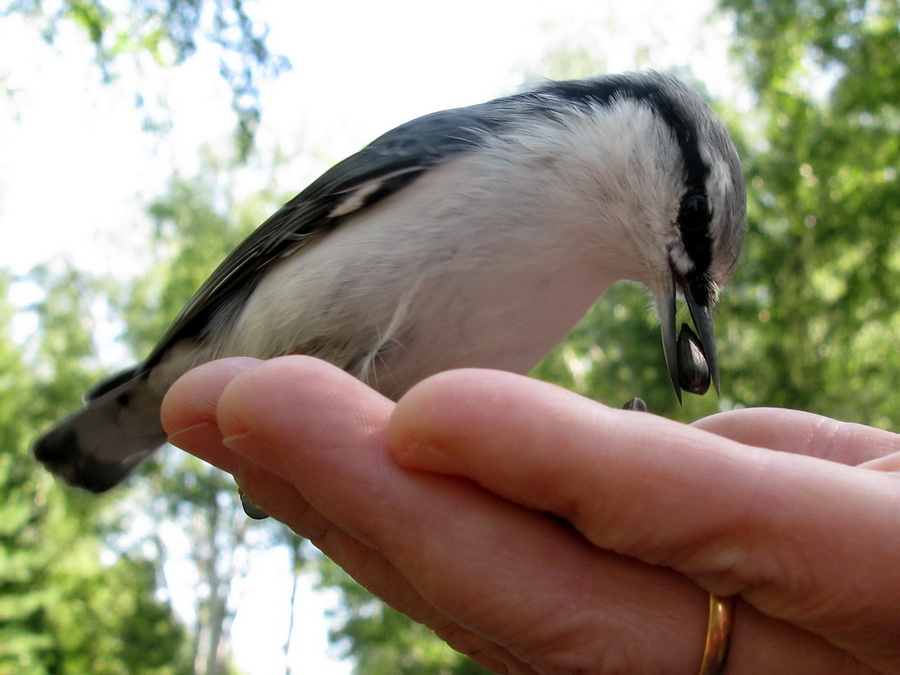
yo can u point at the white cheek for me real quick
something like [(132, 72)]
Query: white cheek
[(681, 261), (629, 175)]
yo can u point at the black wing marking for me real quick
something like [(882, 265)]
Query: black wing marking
[(388, 164)]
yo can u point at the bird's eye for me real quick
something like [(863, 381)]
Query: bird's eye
[(694, 214)]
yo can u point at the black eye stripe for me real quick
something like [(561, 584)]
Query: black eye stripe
[(694, 218), (700, 286), (684, 115), (694, 214)]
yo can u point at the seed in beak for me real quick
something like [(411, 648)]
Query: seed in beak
[(693, 370)]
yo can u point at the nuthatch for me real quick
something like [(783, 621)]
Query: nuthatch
[(470, 237)]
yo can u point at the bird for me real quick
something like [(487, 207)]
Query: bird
[(471, 237)]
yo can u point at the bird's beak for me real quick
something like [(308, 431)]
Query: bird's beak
[(702, 316)]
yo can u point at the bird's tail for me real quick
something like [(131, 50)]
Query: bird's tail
[(98, 446)]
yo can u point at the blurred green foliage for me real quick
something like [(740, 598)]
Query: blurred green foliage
[(817, 295), (63, 609)]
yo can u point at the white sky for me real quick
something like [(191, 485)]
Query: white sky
[(76, 172)]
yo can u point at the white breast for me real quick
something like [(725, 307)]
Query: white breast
[(488, 260)]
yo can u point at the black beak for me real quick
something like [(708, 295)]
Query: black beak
[(702, 315)]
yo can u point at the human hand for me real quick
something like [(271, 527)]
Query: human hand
[(540, 532)]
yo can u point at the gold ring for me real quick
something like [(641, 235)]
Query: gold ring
[(718, 634)]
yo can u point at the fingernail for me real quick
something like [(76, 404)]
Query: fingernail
[(195, 436), (203, 440), (425, 457), (248, 444), (242, 443)]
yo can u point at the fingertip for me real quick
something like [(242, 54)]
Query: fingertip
[(204, 441), (437, 420), (416, 425), (278, 392), (284, 410), (802, 433), (193, 398), (188, 412), (465, 392), (440, 398), (426, 457)]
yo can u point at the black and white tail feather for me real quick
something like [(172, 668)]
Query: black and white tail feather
[(470, 237)]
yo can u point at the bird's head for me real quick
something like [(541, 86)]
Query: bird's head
[(674, 182), (705, 236)]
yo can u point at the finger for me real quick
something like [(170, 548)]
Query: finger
[(736, 519), (538, 590), (191, 417), (334, 416), (367, 565), (188, 411), (804, 433)]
